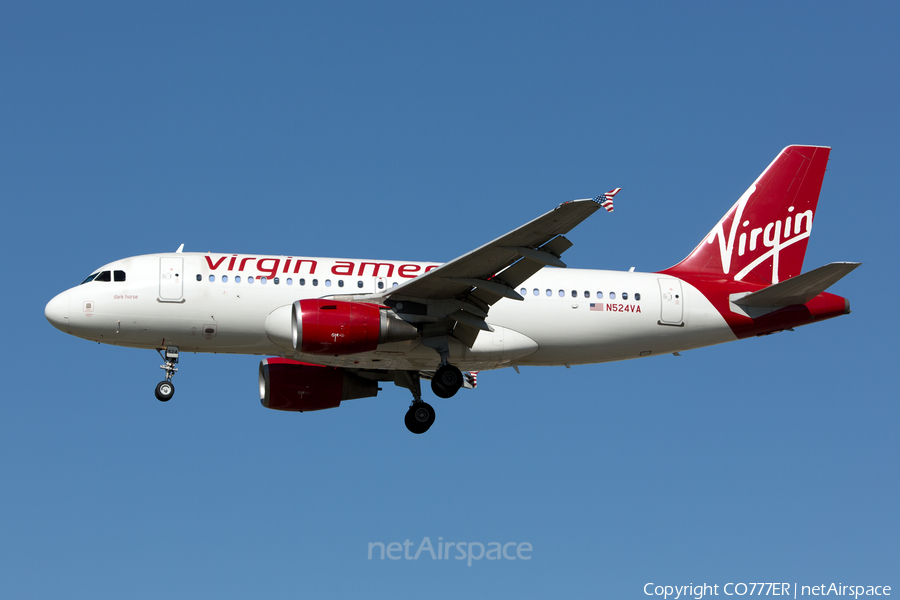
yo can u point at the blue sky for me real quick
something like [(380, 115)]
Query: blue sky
[(418, 132)]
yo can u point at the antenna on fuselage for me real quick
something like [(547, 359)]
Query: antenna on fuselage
[(180, 248)]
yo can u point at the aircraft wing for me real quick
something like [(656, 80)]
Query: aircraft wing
[(537, 243), (480, 278)]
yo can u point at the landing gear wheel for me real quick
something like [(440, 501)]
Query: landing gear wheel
[(164, 391), (419, 417), (447, 381)]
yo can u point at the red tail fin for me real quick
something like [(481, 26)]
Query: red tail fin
[(763, 237)]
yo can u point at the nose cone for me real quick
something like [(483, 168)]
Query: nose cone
[(57, 312)]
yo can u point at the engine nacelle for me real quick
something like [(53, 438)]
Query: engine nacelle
[(295, 386), (336, 327)]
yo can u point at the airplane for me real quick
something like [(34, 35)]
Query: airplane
[(336, 328)]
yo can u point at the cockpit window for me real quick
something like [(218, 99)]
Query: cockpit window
[(118, 275), (104, 276), (89, 278)]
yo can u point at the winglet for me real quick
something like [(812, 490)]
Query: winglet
[(606, 200), (180, 248)]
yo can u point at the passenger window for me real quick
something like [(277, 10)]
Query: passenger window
[(523, 292), (394, 284), (118, 275), (549, 292), (612, 295), (327, 283), (574, 294), (587, 294), (212, 278), (562, 293), (637, 297), (359, 284), (250, 279), (600, 295), (536, 292), (624, 295), (104, 276), (89, 278), (224, 278), (315, 282), (199, 277), (237, 278), (301, 281), (276, 281), (380, 285), (340, 283), (263, 280), (289, 281)]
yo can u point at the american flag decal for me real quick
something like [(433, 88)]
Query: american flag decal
[(472, 378), (597, 306), (606, 200)]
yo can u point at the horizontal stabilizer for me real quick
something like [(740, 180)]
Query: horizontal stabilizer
[(800, 289)]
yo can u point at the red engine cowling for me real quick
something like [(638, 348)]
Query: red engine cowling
[(295, 386), (335, 327)]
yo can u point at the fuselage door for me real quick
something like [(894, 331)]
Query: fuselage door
[(171, 279), (671, 302)]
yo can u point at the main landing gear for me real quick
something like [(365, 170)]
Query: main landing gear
[(165, 389), (420, 415), (446, 381)]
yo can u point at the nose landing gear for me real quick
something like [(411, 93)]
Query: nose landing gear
[(166, 389)]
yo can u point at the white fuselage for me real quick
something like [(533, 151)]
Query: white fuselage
[(242, 304)]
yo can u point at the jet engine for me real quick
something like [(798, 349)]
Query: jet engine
[(336, 327), (295, 386)]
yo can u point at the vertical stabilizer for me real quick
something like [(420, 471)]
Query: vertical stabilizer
[(763, 238)]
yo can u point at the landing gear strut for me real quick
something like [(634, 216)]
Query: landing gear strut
[(165, 389)]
